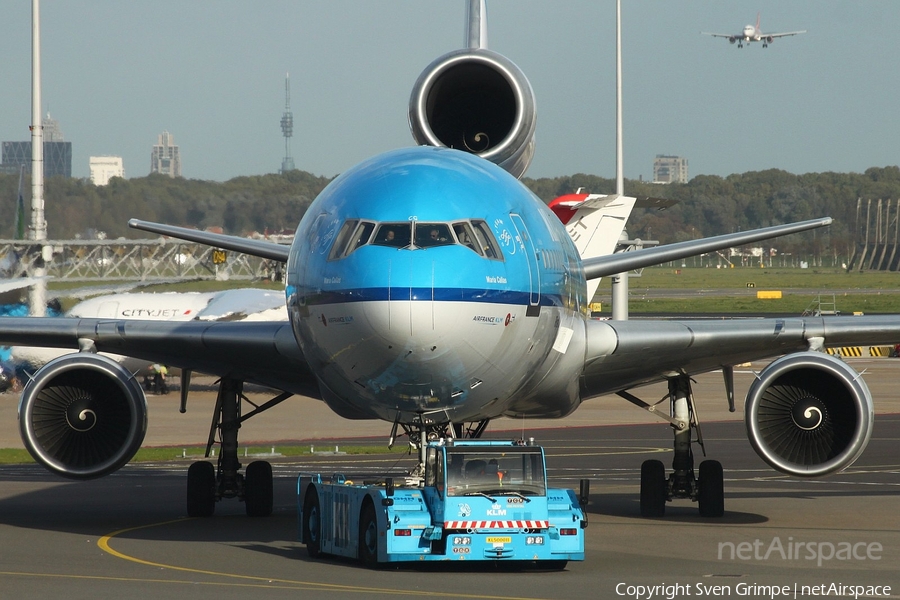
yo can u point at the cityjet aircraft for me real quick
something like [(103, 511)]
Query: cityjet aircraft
[(428, 288), (752, 33)]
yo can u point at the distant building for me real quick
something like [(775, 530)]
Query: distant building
[(57, 152), (105, 167), (165, 158), (670, 169)]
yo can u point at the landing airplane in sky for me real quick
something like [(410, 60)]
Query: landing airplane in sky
[(752, 33), (428, 288)]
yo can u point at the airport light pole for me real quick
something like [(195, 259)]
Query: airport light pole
[(620, 280), (37, 299)]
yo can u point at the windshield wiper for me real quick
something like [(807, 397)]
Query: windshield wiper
[(491, 498)]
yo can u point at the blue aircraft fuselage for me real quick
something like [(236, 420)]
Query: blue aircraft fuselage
[(429, 285)]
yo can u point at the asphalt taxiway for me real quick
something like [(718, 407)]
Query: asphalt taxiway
[(126, 536)]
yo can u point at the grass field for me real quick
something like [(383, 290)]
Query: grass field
[(710, 290)]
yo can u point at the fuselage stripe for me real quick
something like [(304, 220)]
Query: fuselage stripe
[(381, 294)]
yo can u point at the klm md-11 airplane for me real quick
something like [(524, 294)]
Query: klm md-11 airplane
[(429, 288)]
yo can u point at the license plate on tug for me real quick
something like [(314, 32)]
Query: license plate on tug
[(499, 540)]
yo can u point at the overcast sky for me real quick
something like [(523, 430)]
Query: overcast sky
[(211, 72)]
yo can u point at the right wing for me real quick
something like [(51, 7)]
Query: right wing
[(723, 35), (264, 352)]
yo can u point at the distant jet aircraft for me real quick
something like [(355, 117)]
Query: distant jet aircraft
[(752, 34)]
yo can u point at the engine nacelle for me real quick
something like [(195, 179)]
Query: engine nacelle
[(477, 101), (769, 39), (732, 39), (83, 416), (809, 414)]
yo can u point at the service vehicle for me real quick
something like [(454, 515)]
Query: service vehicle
[(476, 500)]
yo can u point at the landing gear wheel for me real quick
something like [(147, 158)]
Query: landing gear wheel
[(653, 489), (368, 537), (712, 489), (258, 489), (312, 524), (201, 489)]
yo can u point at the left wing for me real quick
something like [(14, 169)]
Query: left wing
[(623, 354), (783, 34)]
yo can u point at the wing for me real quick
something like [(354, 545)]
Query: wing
[(722, 35), (603, 266), (624, 354), (783, 34), (261, 352)]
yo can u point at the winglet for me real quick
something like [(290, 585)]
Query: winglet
[(476, 25)]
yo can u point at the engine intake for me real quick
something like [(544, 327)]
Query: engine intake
[(82, 416), (809, 414), (477, 101)]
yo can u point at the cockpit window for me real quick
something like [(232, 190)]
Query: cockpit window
[(433, 234), (393, 234), (342, 239), (414, 235), (486, 240), (353, 234)]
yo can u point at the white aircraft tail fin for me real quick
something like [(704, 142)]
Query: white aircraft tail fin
[(595, 223)]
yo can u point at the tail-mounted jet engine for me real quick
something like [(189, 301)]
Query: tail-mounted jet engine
[(477, 101), (82, 416), (809, 414)]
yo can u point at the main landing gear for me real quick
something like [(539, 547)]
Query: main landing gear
[(206, 484), (706, 487)]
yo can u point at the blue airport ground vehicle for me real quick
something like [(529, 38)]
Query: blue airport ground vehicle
[(477, 501)]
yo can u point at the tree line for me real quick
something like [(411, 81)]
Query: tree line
[(707, 204)]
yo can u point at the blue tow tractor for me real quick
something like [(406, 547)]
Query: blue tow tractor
[(478, 500)]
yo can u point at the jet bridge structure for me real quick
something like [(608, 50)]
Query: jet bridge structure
[(130, 260), (877, 236)]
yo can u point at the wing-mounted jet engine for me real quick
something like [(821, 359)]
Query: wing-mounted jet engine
[(477, 101), (83, 415), (809, 414)]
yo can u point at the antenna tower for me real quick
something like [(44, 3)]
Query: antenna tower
[(287, 126)]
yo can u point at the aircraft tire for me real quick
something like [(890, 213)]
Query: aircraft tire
[(201, 489), (653, 489), (258, 489), (312, 524), (711, 499), (368, 537)]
